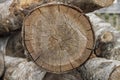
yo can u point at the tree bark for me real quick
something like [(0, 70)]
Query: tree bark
[(9, 21), (12, 13), (2, 64), (72, 75), (107, 38), (3, 43), (87, 5), (21, 69), (100, 69)]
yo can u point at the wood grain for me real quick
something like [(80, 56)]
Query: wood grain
[(58, 37), (100, 69)]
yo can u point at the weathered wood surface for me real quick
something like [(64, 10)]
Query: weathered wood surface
[(3, 43), (100, 69), (107, 38), (73, 75), (21, 69), (12, 12), (4, 8), (99, 25), (86, 5), (58, 37), (2, 66), (14, 47), (9, 21)]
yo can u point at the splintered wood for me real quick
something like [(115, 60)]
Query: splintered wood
[(58, 37)]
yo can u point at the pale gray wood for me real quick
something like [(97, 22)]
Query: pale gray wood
[(72, 75), (4, 8), (1, 1), (10, 19), (3, 43), (106, 49), (21, 69), (12, 12), (100, 69)]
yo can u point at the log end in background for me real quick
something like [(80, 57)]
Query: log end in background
[(115, 74), (104, 3), (58, 37)]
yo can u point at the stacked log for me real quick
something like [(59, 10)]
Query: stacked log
[(107, 47), (101, 69), (59, 37), (72, 75), (13, 14), (107, 38), (87, 5), (21, 69), (3, 43), (12, 45)]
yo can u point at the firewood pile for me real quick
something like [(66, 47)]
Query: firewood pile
[(57, 40)]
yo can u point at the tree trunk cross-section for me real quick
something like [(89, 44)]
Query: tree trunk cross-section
[(58, 37)]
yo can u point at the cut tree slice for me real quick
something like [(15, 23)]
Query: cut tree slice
[(58, 37)]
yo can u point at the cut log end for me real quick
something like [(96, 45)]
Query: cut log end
[(58, 37), (106, 37), (115, 74), (104, 3)]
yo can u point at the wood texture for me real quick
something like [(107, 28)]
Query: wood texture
[(115, 74), (87, 5), (21, 69), (107, 38), (73, 75), (58, 37), (100, 69), (4, 12), (3, 43), (14, 47), (22, 4), (2, 66), (9, 21), (14, 11)]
